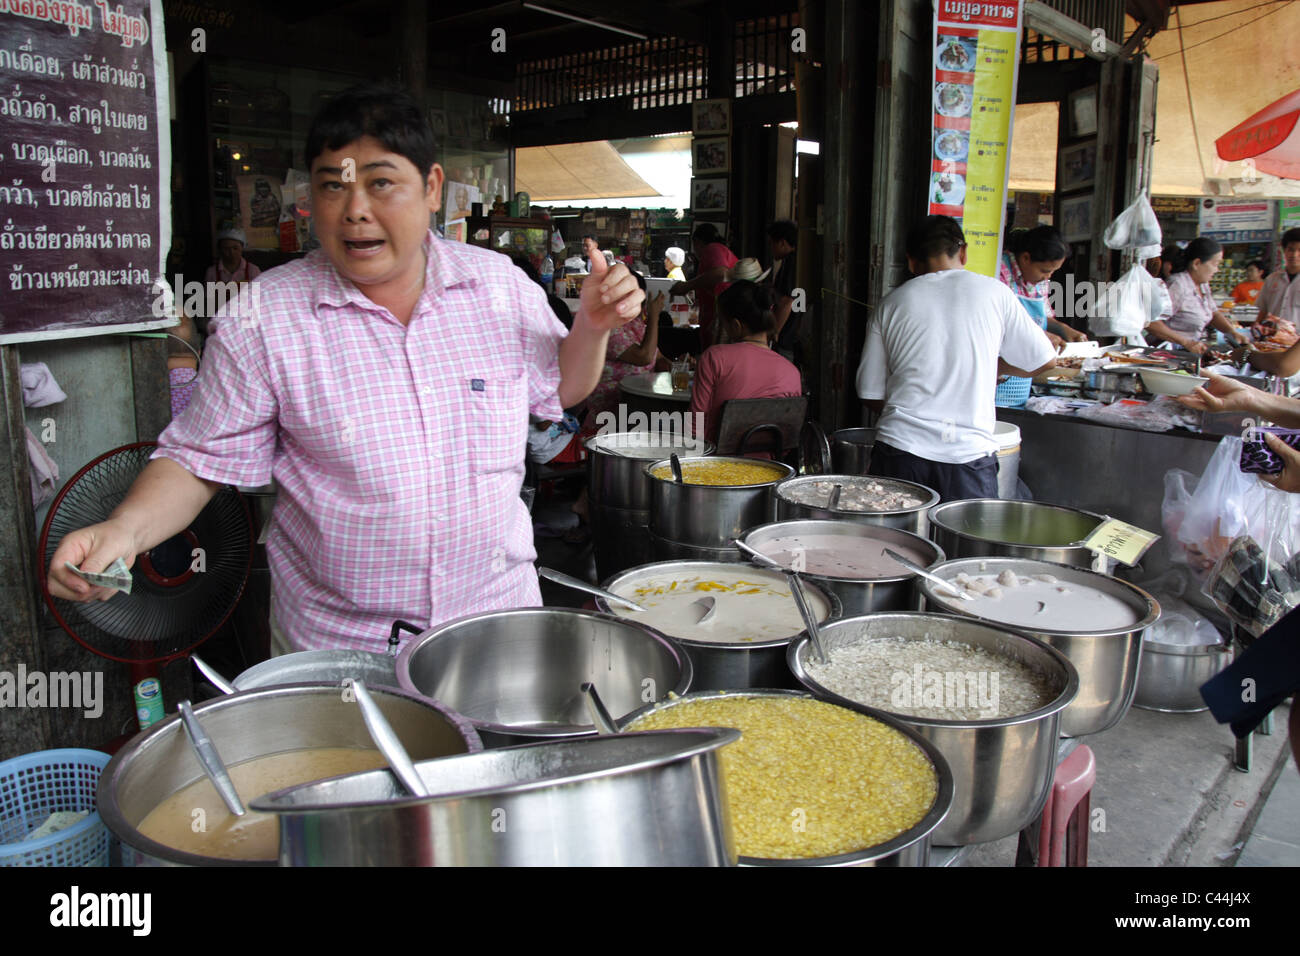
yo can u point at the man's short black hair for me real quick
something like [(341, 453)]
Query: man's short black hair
[(935, 236), (706, 232), (587, 235), (388, 113), (1290, 236), (784, 230)]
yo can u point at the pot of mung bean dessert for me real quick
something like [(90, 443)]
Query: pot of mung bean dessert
[(718, 500), (1095, 620), (743, 642), (811, 783), (849, 561), (883, 502), (993, 527), (988, 699)]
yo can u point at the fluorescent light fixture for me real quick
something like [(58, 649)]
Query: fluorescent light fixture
[(583, 20)]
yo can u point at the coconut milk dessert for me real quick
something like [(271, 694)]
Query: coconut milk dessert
[(856, 494), (1040, 600), (753, 606), (853, 557)]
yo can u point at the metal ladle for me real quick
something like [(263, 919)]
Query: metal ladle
[(833, 501), (677, 468), (600, 715), (571, 582), (386, 739), (206, 752), (800, 599), (213, 676), (934, 578)]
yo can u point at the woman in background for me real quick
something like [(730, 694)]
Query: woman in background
[(1192, 302), (673, 259)]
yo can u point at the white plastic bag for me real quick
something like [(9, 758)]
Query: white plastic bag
[(1129, 304), (1135, 226)]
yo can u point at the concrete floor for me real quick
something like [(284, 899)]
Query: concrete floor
[(1167, 789)]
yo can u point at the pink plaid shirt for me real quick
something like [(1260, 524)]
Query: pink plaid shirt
[(398, 451)]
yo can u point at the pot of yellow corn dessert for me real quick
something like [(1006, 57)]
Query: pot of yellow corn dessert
[(718, 500), (743, 642), (811, 783)]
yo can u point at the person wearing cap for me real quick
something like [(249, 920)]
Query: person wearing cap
[(715, 259), (231, 266), (673, 259)]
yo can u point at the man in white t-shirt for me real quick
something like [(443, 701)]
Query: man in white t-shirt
[(934, 350)]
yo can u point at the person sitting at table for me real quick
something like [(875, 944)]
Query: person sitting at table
[(746, 367), (632, 348), (1192, 302)]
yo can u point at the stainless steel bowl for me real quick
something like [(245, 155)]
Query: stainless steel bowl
[(724, 666), (710, 516), (652, 799), (1002, 767), (158, 762), (1171, 675), (914, 519), (1015, 529), (909, 848), (320, 667), (851, 450), (516, 674), (1107, 661), (892, 592)]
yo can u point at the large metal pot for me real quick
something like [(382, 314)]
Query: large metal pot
[(1003, 767), (913, 519), (653, 799), (892, 592), (1016, 529), (158, 762), (851, 450), (721, 666), (320, 667), (516, 674), (909, 848), (662, 549), (1107, 661), (710, 516), (1171, 675)]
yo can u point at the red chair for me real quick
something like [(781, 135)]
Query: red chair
[(1065, 818)]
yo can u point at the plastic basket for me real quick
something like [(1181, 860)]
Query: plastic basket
[(36, 785)]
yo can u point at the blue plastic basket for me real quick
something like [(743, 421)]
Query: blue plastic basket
[(36, 785)]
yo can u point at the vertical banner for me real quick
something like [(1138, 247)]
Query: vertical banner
[(86, 167), (976, 62)]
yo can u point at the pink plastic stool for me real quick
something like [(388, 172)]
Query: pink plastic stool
[(1065, 818)]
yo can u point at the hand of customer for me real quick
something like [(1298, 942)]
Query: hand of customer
[(1288, 479), (610, 295), (1221, 394), (92, 549), (656, 306)]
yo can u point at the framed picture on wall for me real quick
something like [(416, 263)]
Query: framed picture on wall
[(1082, 106), (438, 120), (1078, 166), (710, 156), (709, 195), (457, 125), (712, 117), (1076, 218)]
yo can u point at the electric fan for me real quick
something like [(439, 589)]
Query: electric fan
[(182, 591)]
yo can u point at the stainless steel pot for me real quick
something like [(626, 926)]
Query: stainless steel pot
[(515, 674), (894, 592), (661, 549), (909, 848), (710, 516), (1002, 767), (616, 466), (320, 667), (1107, 661), (913, 519), (1016, 529), (653, 799), (851, 450), (158, 762), (723, 666), (1110, 384), (1171, 675)]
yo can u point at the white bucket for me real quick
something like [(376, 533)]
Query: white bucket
[(1008, 438)]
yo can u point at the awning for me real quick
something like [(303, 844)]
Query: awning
[(577, 171), (1269, 139)]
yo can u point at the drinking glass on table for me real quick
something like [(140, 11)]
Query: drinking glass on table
[(681, 375)]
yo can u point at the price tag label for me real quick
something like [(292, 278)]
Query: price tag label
[(1123, 542)]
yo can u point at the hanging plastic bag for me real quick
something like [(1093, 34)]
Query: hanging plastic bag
[(1129, 304), (1135, 226)]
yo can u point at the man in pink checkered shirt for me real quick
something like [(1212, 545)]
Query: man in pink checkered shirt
[(385, 383)]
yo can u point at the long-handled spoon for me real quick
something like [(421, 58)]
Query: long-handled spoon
[(210, 760), (571, 582), (934, 578)]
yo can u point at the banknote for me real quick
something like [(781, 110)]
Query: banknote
[(117, 575)]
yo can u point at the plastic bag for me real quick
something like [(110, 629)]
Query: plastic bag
[(1251, 588), (1228, 504), (1179, 485), (1130, 304), (1181, 625), (1135, 226)]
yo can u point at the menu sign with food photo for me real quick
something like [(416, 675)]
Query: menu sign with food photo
[(85, 165), (976, 58)]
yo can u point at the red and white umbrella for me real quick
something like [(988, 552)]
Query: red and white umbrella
[(1269, 138)]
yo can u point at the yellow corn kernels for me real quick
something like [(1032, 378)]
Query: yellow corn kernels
[(721, 473)]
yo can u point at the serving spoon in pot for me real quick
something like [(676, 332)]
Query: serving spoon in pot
[(933, 578), (571, 582), (800, 599), (386, 739), (206, 752)]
